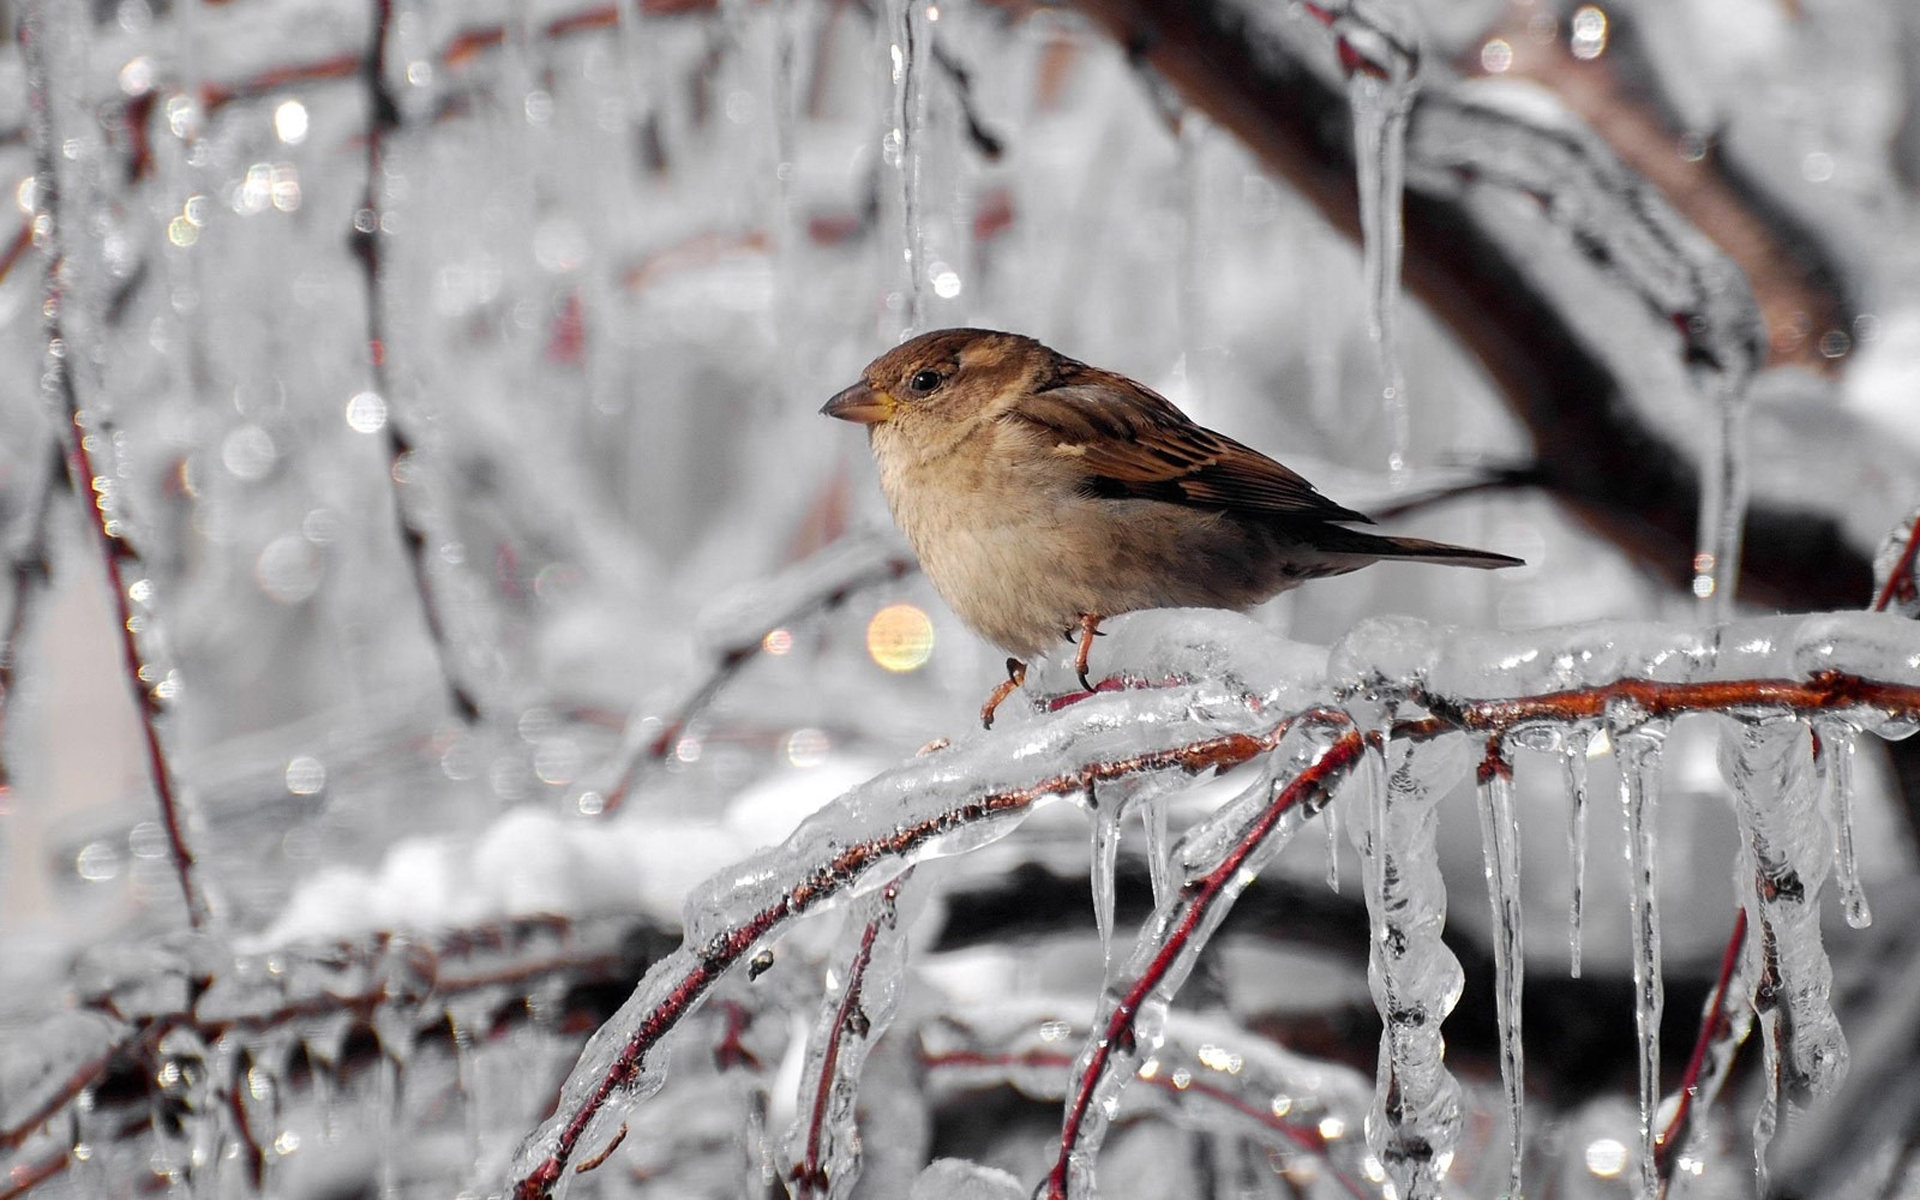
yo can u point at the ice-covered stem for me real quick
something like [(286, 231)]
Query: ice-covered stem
[(829, 1158), (1168, 948), (310, 986), (48, 27), (1896, 582), (1721, 1031), (383, 117), (616, 1061), (1598, 449), (821, 584)]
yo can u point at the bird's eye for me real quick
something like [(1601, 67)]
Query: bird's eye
[(924, 381)]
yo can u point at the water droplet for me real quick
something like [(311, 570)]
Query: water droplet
[(289, 569), (366, 413), (249, 453), (306, 775), (97, 862), (290, 122), (900, 638)]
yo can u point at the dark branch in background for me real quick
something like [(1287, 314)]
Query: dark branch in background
[(1596, 452), (383, 117), (83, 432)]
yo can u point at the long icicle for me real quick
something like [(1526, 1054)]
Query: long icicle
[(1637, 751), (1500, 840)]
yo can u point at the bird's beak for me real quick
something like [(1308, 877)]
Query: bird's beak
[(861, 404)]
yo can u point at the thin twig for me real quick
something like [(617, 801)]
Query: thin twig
[(383, 117), (1714, 1023), (83, 431)]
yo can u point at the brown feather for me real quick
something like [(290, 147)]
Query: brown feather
[(1134, 444)]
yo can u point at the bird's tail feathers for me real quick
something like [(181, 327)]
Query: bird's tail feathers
[(1412, 549)]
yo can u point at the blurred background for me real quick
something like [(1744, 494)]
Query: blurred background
[(473, 568)]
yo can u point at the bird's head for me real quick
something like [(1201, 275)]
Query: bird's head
[(938, 385)]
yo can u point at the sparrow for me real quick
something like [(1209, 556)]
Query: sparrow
[(1043, 495)]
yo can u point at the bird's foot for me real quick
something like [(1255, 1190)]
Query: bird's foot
[(1016, 675), (1089, 629)]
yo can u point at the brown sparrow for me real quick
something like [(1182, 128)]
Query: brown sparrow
[(1043, 495)]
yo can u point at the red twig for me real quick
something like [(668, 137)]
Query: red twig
[(809, 1175), (383, 115), (1196, 900), (827, 881), (1899, 582), (1713, 1024), (82, 433), (24, 1177)]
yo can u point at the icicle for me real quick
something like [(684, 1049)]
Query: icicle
[(904, 33), (1575, 762), (1501, 844), (1153, 823), (1636, 748), (1332, 821), (1770, 767), (1106, 849), (1723, 500), (1219, 858), (1382, 58), (1838, 740), (1414, 1121)]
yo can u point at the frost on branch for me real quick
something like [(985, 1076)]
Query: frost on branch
[(1516, 691)]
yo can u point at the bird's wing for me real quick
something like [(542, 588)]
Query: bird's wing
[(1133, 444)]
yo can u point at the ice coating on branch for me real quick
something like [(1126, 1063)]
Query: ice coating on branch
[(1413, 1124), (1838, 742), (1770, 766), (1500, 842), (1384, 655), (1166, 645), (1896, 570), (1219, 858), (1877, 645), (955, 800), (865, 978), (926, 793), (1636, 750), (958, 1179), (1512, 137)]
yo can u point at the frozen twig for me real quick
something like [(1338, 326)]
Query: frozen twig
[(1716, 1026), (383, 117), (46, 51), (829, 1156), (868, 832)]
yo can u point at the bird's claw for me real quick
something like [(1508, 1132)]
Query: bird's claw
[(1016, 675)]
